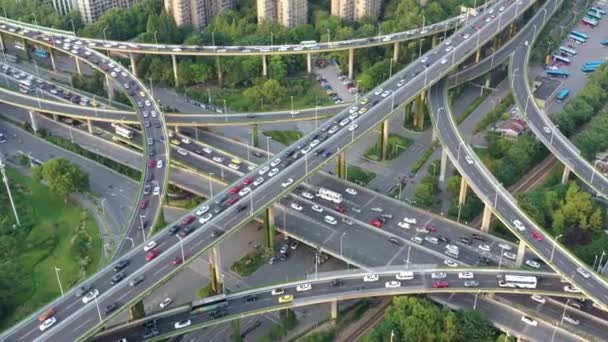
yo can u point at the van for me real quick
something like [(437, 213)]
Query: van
[(453, 253), (47, 314)]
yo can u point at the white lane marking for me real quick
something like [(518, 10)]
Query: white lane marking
[(81, 325), (29, 333), (160, 270)]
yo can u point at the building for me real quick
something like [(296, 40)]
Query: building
[(512, 127), (63, 7), (288, 13), (196, 13), (355, 10), (91, 10)]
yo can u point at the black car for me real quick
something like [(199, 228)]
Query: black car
[(218, 314), (395, 241), (319, 151), (336, 283), (241, 207), (174, 229), (187, 231), (326, 154), (478, 237), (250, 298), (117, 278), (84, 289), (465, 241), (121, 265), (109, 308), (483, 260), (443, 239), (216, 233)]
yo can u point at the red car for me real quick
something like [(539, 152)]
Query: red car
[(536, 235), (152, 254), (340, 209), (431, 228), (187, 220), (248, 181), (235, 190), (151, 164), (440, 284), (143, 204), (232, 200), (377, 223), (177, 260)]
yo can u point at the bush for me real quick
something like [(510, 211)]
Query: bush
[(359, 176), (396, 145)]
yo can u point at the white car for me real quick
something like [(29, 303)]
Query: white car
[(538, 299), (296, 206), (404, 225), (431, 239), (273, 172), (90, 296), (275, 162), (571, 320), (452, 247), (583, 272), (307, 195), (166, 302), (176, 49), (218, 159), (186, 141), (205, 218), (207, 150), (422, 230), (314, 143), (317, 208), (182, 151), (234, 166), (287, 182), (386, 93), (466, 275), (351, 191), (378, 91), (182, 324), (484, 247), (159, 164), (150, 245), (533, 264), (444, 60), (571, 289), (529, 321), (306, 149), (344, 122), (48, 323), (393, 284), (264, 170), (423, 59), (331, 220), (509, 255), (519, 225), (353, 109), (352, 127), (438, 275), (468, 159), (547, 130), (303, 287), (156, 191), (202, 210), (370, 278), (504, 246), (409, 220), (258, 181), (244, 191), (353, 116), (450, 263), (277, 291)]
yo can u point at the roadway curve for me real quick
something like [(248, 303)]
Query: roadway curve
[(231, 218)]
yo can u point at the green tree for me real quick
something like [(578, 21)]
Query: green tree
[(474, 326), (454, 185), (278, 69), (62, 176)]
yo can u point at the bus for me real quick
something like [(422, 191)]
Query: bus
[(525, 282), (590, 22), (598, 10), (40, 53), (604, 42), (564, 60), (557, 73), (122, 131), (580, 34), (590, 68), (11, 58), (308, 43), (19, 46), (209, 303), (594, 15), (568, 51), (562, 95), (577, 39), (330, 195)]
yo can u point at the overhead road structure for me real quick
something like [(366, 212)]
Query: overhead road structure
[(500, 202), (332, 289), (233, 217)]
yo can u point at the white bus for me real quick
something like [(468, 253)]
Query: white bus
[(308, 43), (329, 195), (510, 280), (122, 131)]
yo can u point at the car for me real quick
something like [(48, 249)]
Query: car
[(509, 255), (465, 241), (422, 60), (121, 265), (81, 291), (159, 164), (395, 241), (47, 323), (275, 162), (417, 239), (182, 324), (156, 191), (143, 204), (351, 191), (392, 284), (352, 127), (202, 210), (431, 239), (444, 60), (583, 272), (440, 284), (452, 247), (150, 245), (273, 172), (336, 283), (377, 209), (484, 247), (571, 319), (538, 298), (264, 169), (443, 239), (110, 307), (246, 190), (404, 225), (165, 302), (284, 249), (285, 299), (294, 245), (504, 246), (258, 181), (471, 283), (296, 206), (187, 220), (571, 289), (271, 260), (151, 255), (438, 275), (466, 275), (468, 159), (370, 278), (46, 315), (303, 287), (330, 219), (484, 260), (218, 159), (450, 263), (90, 296), (529, 321), (317, 208), (250, 298), (537, 236), (378, 91), (287, 182), (409, 220), (340, 208), (377, 223), (518, 225), (386, 93), (277, 291)]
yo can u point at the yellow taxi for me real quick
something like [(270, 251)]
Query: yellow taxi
[(286, 298)]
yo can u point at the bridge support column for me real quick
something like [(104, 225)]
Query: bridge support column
[(51, 55), (420, 105), (407, 112), (77, 61), (512, 30), (264, 66), (133, 67), (444, 164), (477, 56), (218, 65), (384, 127), (351, 61), (521, 252), (341, 165), (254, 136), (462, 197), (2, 43), (137, 311), (334, 310), (396, 52), (109, 87), (309, 63), (434, 41), (269, 228), (565, 174), (174, 62), (215, 270), (34, 120), (90, 126), (55, 117), (176, 129), (486, 218)]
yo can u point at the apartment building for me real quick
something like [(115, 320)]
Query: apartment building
[(63, 7), (196, 13), (355, 10), (91, 10), (288, 13)]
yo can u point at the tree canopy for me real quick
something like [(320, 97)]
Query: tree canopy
[(62, 176)]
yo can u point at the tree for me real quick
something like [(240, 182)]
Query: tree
[(278, 69), (454, 184), (62, 176), (474, 326)]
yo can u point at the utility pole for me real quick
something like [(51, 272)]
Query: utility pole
[(8, 190)]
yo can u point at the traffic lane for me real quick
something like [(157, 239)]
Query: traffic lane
[(255, 155), (587, 306)]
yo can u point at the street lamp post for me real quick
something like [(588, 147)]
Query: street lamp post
[(268, 147), (316, 112), (104, 33), (132, 241), (475, 301), (552, 131), (73, 26), (225, 111), (553, 249), (328, 36), (181, 245), (341, 237), (407, 260), (502, 251), (141, 223), (98, 311), (561, 321), (151, 87), (599, 265), (59, 280), (155, 37), (593, 171), (292, 112)]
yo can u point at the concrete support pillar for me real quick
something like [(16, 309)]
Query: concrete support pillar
[(215, 270), (90, 126), (27, 50), (218, 66), (77, 61), (51, 55), (420, 105), (521, 252), (2, 43), (478, 56), (55, 117), (486, 218), (176, 129), (174, 62), (133, 66), (255, 141), (407, 112), (434, 136), (334, 310), (341, 165), (351, 61), (384, 126), (434, 40), (443, 165), (565, 174), (309, 63), (269, 228), (462, 197), (34, 120), (396, 52), (109, 87), (264, 66)]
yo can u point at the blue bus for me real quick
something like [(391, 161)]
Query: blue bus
[(598, 62), (557, 73), (568, 51), (558, 58), (562, 95), (590, 68), (604, 42), (590, 22), (577, 39), (580, 34), (598, 10), (40, 53), (594, 15)]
